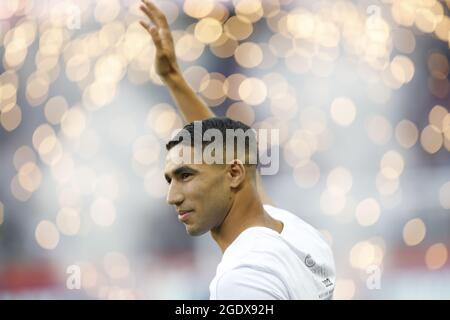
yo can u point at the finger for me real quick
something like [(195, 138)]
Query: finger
[(146, 26), (149, 15), (156, 37), (153, 32), (165, 31), (157, 14)]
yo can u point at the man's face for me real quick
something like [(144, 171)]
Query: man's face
[(200, 192)]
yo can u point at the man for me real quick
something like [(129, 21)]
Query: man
[(268, 253)]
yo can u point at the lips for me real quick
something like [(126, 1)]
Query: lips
[(184, 215)]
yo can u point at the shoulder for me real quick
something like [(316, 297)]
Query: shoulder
[(256, 245)]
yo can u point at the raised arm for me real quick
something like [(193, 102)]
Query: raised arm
[(191, 106)]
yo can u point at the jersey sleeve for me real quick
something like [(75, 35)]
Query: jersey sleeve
[(250, 283)]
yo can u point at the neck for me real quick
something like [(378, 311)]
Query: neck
[(246, 211)]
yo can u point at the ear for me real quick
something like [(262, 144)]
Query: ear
[(236, 173)]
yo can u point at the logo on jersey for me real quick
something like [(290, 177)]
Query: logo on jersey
[(309, 261), (327, 282)]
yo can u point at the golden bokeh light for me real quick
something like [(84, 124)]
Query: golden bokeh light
[(231, 85), (251, 10), (237, 28), (208, 30), (68, 221), (436, 256), (301, 23), (11, 119), (392, 164), (188, 48), (103, 212), (30, 176), (73, 122), (437, 116), (37, 88), (431, 139), (442, 28), (40, 134), (211, 86), (364, 254), (98, 94), (106, 10), (198, 8), (18, 191), (111, 34), (165, 122), (146, 150), (404, 40), (428, 15), (343, 111), (15, 53), (297, 150), (306, 174), (253, 91), (332, 204), (280, 45), (224, 47), (47, 235), (339, 181), (55, 108), (8, 96), (248, 55), (414, 232), (367, 212), (78, 67), (110, 69), (195, 75), (406, 133), (379, 130), (277, 86), (241, 112), (90, 274), (116, 265), (63, 169), (402, 69), (438, 65), (386, 186)]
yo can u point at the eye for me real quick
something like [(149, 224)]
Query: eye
[(185, 175)]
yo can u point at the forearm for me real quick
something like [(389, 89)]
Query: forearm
[(190, 105)]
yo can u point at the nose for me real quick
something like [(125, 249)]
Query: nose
[(174, 195)]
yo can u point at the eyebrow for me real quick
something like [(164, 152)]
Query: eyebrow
[(179, 171)]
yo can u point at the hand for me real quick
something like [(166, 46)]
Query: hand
[(165, 58)]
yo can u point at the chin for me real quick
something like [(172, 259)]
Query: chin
[(194, 231)]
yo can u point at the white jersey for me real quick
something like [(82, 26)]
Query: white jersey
[(264, 264)]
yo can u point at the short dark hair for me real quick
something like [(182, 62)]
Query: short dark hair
[(222, 124)]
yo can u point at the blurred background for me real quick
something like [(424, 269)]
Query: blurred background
[(358, 89)]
